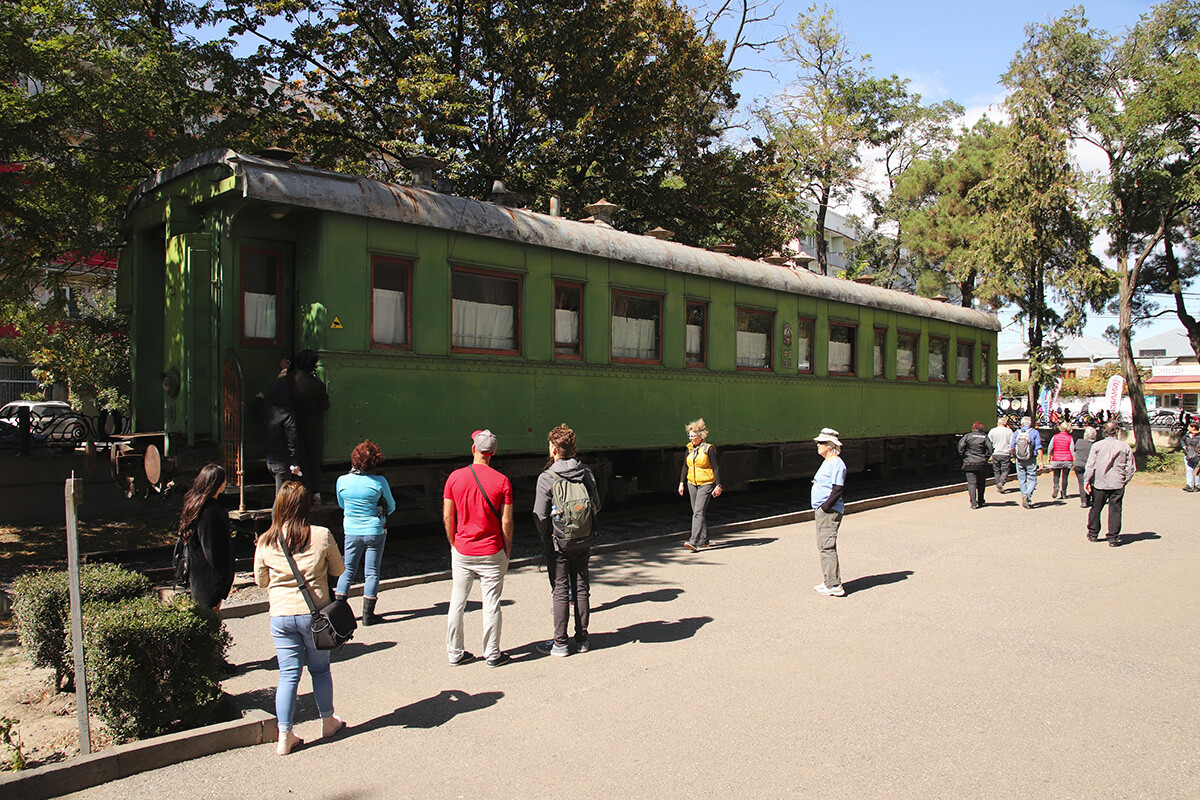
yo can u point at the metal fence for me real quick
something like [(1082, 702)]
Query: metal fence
[(16, 380)]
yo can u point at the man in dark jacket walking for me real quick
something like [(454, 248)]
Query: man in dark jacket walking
[(975, 449), (566, 559), (281, 434)]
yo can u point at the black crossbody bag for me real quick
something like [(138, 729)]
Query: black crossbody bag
[(486, 499), (334, 624)]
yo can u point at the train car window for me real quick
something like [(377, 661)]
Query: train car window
[(262, 274), (391, 306), (938, 353), (804, 337), (877, 353), (841, 349), (636, 328), (697, 334), (965, 363), (754, 338), (485, 312), (568, 320), (986, 355), (906, 354)]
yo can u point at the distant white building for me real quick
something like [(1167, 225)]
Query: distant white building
[(1080, 356)]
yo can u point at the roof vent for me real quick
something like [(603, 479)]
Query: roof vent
[(778, 259), (603, 212), (422, 168), (940, 298), (725, 247), (501, 196), (662, 234), (276, 154), (866, 280)]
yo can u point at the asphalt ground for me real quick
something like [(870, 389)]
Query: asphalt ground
[(990, 653)]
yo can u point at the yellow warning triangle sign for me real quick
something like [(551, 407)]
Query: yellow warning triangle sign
[(337, 324)]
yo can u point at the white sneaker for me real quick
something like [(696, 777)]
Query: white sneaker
[(828, 591)]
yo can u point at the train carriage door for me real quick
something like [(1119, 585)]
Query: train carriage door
[(265, 320)]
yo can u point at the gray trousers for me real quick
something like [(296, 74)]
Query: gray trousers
[(490, 572), (827, 531), (700, 497), (1000, 467)]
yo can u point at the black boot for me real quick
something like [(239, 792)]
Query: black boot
[(341, 597), (368, 617)]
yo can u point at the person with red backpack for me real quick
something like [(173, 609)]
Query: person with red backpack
[(564, 509), (1026, 450)]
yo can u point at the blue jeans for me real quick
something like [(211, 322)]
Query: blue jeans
[(1191, 475), (356, 548), (294, 647), (1027, 476)]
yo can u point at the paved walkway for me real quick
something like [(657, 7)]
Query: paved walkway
[(979, 654)]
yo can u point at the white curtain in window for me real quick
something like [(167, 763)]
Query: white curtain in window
[(566, 326), (878, 361), (839, 356), (483, 325), (803, 354), (752, 350), (906, 363), (693, 340), (390, 315), (964, 367), (258, 312), (937, 365), (634, 338)]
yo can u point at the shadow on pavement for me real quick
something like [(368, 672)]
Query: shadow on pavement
[(656, 632), (354, 649), (752, 542), (436, 610), (657, 596), (1130, 538), (430, 712), (871, 581)]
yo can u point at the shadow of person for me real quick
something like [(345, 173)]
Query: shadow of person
[(871, 581), (1127, 538), (353, 649), (655, 632), (262, 663), (656, 596), (752, 542), (431, 712), (435, 610)]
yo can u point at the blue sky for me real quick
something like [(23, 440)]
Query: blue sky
[(950, 52)]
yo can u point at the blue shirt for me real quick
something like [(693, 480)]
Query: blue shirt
[(1035, 439), (360, 495), (832, 473)]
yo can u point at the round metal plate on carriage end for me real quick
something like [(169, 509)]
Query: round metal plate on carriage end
[(90, 457), (152, 463)]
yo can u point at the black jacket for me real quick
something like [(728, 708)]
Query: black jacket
[(975, 449), (210, 556), (281, 433)]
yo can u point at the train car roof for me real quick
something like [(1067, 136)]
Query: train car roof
[(272, 181)]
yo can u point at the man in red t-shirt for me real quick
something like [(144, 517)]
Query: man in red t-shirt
[(478, 516)]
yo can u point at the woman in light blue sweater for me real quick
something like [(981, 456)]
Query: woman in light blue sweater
[(367, 501)]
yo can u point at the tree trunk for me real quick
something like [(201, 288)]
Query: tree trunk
[(1190, 324), (1133, 380), (822, 248)]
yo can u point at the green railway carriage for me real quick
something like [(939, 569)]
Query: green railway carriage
[(435, 315)]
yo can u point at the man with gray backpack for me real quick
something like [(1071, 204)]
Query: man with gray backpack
[(1026, 450), (564, 508)]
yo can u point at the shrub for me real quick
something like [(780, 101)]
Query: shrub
[(154, 667), (43, 611), (1163, 462)]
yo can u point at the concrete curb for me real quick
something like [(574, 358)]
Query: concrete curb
[(260, 607), (84, 772)]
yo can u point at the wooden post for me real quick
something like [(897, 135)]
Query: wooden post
[(81, 697)]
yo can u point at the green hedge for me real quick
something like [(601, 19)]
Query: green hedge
[(154, 667), (43, 611)]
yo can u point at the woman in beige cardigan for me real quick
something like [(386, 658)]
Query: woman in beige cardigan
[(317, 557)]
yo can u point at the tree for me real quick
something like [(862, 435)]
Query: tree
[(96, 95), (1034, 238), (942, 219), (821, 122), (1137, 101), (623, 99)]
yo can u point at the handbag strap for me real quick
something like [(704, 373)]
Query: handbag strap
[(487, 499), (300, 581)]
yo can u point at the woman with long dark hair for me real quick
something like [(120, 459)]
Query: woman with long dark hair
[(204, 529), (316, 555), (367, 500)]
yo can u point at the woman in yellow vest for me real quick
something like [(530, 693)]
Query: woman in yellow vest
[(702, 477)]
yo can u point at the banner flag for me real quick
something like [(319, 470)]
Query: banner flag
[(1114, 391)]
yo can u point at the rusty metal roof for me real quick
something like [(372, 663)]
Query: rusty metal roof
[(298, 185)]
